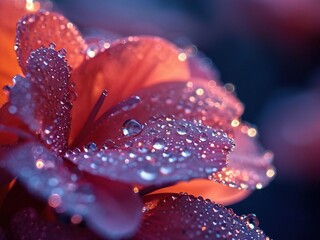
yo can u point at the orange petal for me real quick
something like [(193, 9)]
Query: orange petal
[(10, 14), (42, 28), (125, 67), (209, 190)]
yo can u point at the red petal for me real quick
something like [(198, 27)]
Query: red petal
[(198, 100), (126, 66), (41, 100), (249, 166), (186, 217), (163, 150), (26, 224), (42, 28), (110, 208)]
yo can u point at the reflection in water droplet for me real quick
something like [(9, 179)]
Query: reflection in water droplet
[(159, 144), (149, 173), (131, 127)]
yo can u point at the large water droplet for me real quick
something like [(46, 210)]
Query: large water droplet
[(131, 127)]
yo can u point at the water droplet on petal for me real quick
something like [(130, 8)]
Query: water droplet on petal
[(159, 144), (149, 173), (131, 127)]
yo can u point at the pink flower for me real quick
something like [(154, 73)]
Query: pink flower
[(128, 120)]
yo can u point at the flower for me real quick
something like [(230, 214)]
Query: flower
[(129, 119)]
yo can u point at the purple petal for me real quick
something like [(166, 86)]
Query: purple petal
[(186, 217), (26, 224), (111, 209), (163, 150), (249, 166), (42, 99)]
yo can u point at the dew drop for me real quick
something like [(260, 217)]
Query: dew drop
[(251, 220), (91, 147), (159, 144), (186, 152), (13, 109), (148, 174), (131, 127)]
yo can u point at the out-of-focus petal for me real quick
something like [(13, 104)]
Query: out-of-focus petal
[(186, 217), (249, 166), (10, 14), (200, 100), (161, 151), (111, 209), (123, 68), (42, 99), (40, 29), (201, 67), (207, 189), (27, 224)]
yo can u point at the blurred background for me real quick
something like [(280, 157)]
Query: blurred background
[(270, 51)]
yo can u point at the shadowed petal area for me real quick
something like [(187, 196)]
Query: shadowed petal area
[(26, 224), (110, 209), (186, 217), (207, 189), (201, 100), (42, 99), (123, 68), (163, 150), (41, 28), (10, 14), (249, 166)]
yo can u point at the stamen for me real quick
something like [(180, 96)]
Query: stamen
[(126, 105), (90, 119)]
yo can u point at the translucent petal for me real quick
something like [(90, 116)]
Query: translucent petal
[(42, 99), (249, 166), (111, 209), (200, 100), (186, 217), (207, 189), (10, 14), (40, 29), (123, 68), (160, 151)]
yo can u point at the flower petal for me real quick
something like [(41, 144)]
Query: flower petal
[(186, 217), (111, 209), (197, 100), (249, 166), (27, 224), (127, 65), (161, 151), (40, 29), (207, 189), (10, 14), (42, 99)]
